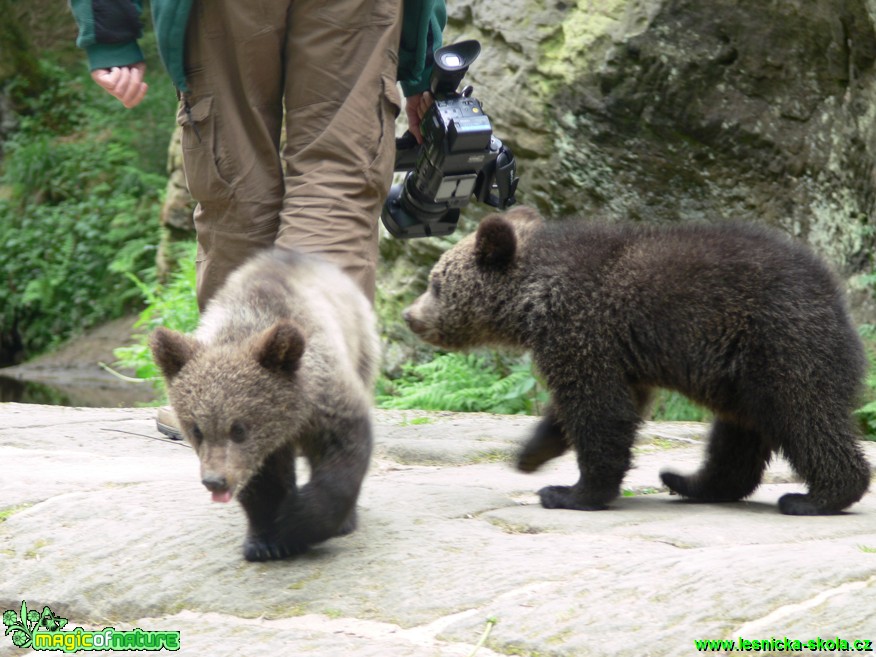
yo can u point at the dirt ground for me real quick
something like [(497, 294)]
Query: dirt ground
[(72, 375)]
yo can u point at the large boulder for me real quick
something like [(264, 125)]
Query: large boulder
[(665, 110)]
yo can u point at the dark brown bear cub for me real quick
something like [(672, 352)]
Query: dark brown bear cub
[(738, 318), (282, 363)]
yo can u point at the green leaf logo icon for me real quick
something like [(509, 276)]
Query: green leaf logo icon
[(50, 622), (21, 626)]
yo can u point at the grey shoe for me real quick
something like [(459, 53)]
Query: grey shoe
[(168, 424)]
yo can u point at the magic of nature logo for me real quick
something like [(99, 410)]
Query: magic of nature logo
[(29, 628)]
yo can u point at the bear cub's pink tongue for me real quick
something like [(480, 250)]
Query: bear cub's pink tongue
[(222, 496)]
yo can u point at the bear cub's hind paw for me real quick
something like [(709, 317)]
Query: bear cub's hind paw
[(677, 484), (696, 488), (798, 504), (564, 497)]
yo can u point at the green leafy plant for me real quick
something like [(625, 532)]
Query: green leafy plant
[(866, 414), (172, 305), (478, 381), (78, 212), (491, 621), (671, 406)]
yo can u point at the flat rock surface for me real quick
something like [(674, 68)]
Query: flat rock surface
[(108, 525)]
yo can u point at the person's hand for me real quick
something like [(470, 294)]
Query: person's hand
[(415, 108), (123, 82)]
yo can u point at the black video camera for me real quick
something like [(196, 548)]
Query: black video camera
[(459, 157)]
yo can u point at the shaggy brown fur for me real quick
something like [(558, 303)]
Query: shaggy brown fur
[(283, 362), (737, 317)]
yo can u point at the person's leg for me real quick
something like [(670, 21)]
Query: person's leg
[(341, 105), (231, 131), (231, 121)]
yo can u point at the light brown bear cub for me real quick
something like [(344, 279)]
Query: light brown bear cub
[(283, 362), (738, 318)]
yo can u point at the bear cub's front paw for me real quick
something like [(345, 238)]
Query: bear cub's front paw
[(258, 548)]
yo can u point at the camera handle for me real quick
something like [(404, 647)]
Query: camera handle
[(406, 152), (500, 175)]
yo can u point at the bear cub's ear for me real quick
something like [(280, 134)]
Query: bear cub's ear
[(171, 351), (495, 243), (279, 348)]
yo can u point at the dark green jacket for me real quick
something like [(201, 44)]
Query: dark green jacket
[(109, 29)]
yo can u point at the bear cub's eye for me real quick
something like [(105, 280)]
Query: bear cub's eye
[(197, 434), (436, 287), (238, 432)]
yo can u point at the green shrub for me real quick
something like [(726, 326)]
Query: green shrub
[(866, 414), (474, 382), (78, 212), (172, 305), (66, 260), (671, 406)]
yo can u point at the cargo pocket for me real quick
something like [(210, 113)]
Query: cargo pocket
[(199, 147), (390, 108)]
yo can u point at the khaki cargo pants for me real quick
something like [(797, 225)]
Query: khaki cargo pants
[(332, 65)]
